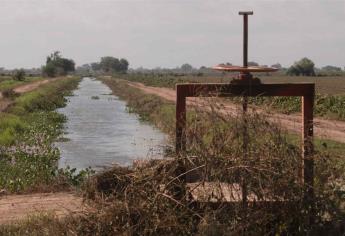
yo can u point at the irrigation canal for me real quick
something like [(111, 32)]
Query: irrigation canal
[(101, 132)]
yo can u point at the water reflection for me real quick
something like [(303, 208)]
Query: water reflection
[(101, 132)]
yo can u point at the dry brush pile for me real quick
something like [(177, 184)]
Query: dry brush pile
[(151, 199)]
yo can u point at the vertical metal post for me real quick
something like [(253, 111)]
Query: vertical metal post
[(245, 40), (245, 149), (245, 35), (180, 120), (307, 167), (245, 102)]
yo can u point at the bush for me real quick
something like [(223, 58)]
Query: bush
[(19, 75)]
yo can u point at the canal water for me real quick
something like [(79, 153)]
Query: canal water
[(101, 132)]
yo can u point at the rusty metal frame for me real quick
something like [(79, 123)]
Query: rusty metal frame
[(304, 90)]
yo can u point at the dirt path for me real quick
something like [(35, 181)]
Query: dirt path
[(18, 207), (4, 103), (32, 86), (328, 129)]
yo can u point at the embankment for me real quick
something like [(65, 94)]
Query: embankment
[(28, 128)]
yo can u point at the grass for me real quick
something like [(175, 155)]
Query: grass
[(27, 131), (324, 85), (329, 101), (325, 105), (9, 83)]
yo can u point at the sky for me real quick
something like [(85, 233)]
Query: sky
[(168, 33)]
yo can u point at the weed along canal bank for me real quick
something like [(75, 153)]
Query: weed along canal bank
[(101, 132)]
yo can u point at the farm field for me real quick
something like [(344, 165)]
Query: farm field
[(329, 101), (324, 85)]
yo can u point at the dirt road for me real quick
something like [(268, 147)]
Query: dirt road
[(327, 129), (18, 207), (4, 103)]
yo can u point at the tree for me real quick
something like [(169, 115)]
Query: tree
[(186, 67), (109, 63), (67, 65), (57, 65), (50, 70), (112, 64), (330, 71), (123, 65), (19, 75), (331, 68), (95, 66), (304, 67)]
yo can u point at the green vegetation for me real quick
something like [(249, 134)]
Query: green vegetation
[(111, 65), (329, 101), (8, 83), (162, 113), (56, 65), (28, 161), (19, 75), (304, 67), (325, 106)]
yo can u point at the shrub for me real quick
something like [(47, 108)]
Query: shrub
[(19, 75)]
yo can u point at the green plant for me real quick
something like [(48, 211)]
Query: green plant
[(19, 75), (28, 159)]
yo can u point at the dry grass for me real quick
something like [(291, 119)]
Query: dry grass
[(152, 198)]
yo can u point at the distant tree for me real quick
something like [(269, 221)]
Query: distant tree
[(293, 71), (95, 66), (123, 65), (19, 75), (253, 63), (277, 66), (109, 63), (68, 65), (186, 67), (331, 68), (304, 67), (112, 64), (329, 71), (57, 65), (49, 70)]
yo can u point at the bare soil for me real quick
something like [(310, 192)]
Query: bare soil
[(323, 128), (18, 207), (4, 103)]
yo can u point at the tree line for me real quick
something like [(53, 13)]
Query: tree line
[(106, 65), (57, 65)]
